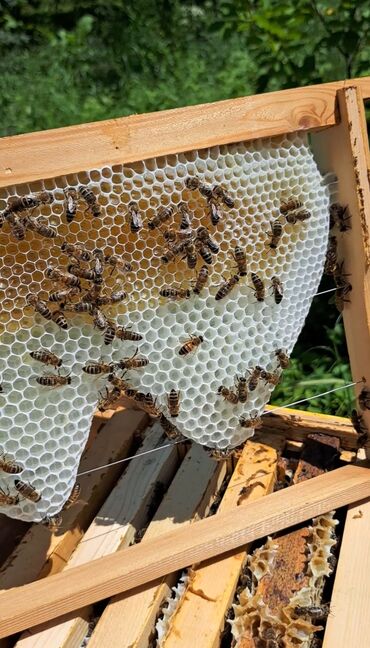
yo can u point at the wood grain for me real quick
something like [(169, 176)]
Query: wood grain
[(59, 594), (349, 619), (138, 137)]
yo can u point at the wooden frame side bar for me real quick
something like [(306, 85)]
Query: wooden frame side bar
[(46, 154), (43, 600)]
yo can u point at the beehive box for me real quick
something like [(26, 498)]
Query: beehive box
[(280, 164)]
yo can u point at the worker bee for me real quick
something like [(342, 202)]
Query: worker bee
[(228, 394), (331, 256), (241, 260), (277, 288), (170, 236), (163, 215), (270, 378), (343, 287), (149, 405), (100, 320), (170, 429), (53, 380), (29, 202), (173, 402), (73, 497), (52, 522), (123, 333), (360, 427), (108, 399), (96, 368), (204, 252), (117, 263), (290, 205), (215, 212), (120, 383), (338, 217), (83, 273), (204, 236), (71, 197), (47, 357), (63, 277), (17, 227), (219, 193), (282, 358), (191, 255), (113, 298), (63, 295), (226, 287), (174, 293), (276, 233), (259, 287), (253, 422), (39, 226), (39, 306), (186, 216), (255, 377), (364, 398), (7, 498), (81, 307), (135, 219), (175, 250), (77, 251), (59, 319), (9, 466), (191, 344), (201, 280), (241, 388), (93, 294), (109, 333), (195, 184), (91, 200), (27, 490), (135, 362), (316, 612), (297, 215)]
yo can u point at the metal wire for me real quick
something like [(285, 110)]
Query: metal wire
[(323, 292), (170, 445)]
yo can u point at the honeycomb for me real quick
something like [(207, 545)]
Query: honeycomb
[(45, 429)]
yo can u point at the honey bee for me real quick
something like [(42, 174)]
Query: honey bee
[(59, 319), (259, 287), (282, 358), (73, 497), (255, 377), (338, 217), (241, 260), (191, 255), (47, 357), (316, 612), (360, 427), (218, 454), (277, 288), (52, 522), (9, 466), (135, 362), (93, 294), (215, 212), (39, 306), (96, 368), (174, 251), (364, 398), (191, 344), (63, 295), (163, 215), (126, 334), (98, 262), (241, 388), (186, 216), (91, 200), (201, 280), (174, 293), (219, 193), (149, 405), (83, 273), (136, 222), (117, 263), (226, 287), (110, 333), (6, 498), (290, 205), (173, 402), (29, 202), (228, 394), (204, 236), (204, 253), (40, 227), (113, 298), (119, 383), (77, 251), (170, 430), (71, 197), (27, 490), (63, 277), (343, 287), (270, 378), (195, 184), (276, 233), (17, 227), (331, 256), (53, 380), (170, 236), (81, 307), (297, 215), (108, 399), (253, 422), (100, 320)]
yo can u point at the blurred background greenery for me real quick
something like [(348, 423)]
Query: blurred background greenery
[(71, 61)]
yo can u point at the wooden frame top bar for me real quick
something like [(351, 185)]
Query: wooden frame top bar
[(50, 153)]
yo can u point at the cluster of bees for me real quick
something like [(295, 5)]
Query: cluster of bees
[(339, 217)]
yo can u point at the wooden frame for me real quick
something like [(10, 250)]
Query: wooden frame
[(334, 114)]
